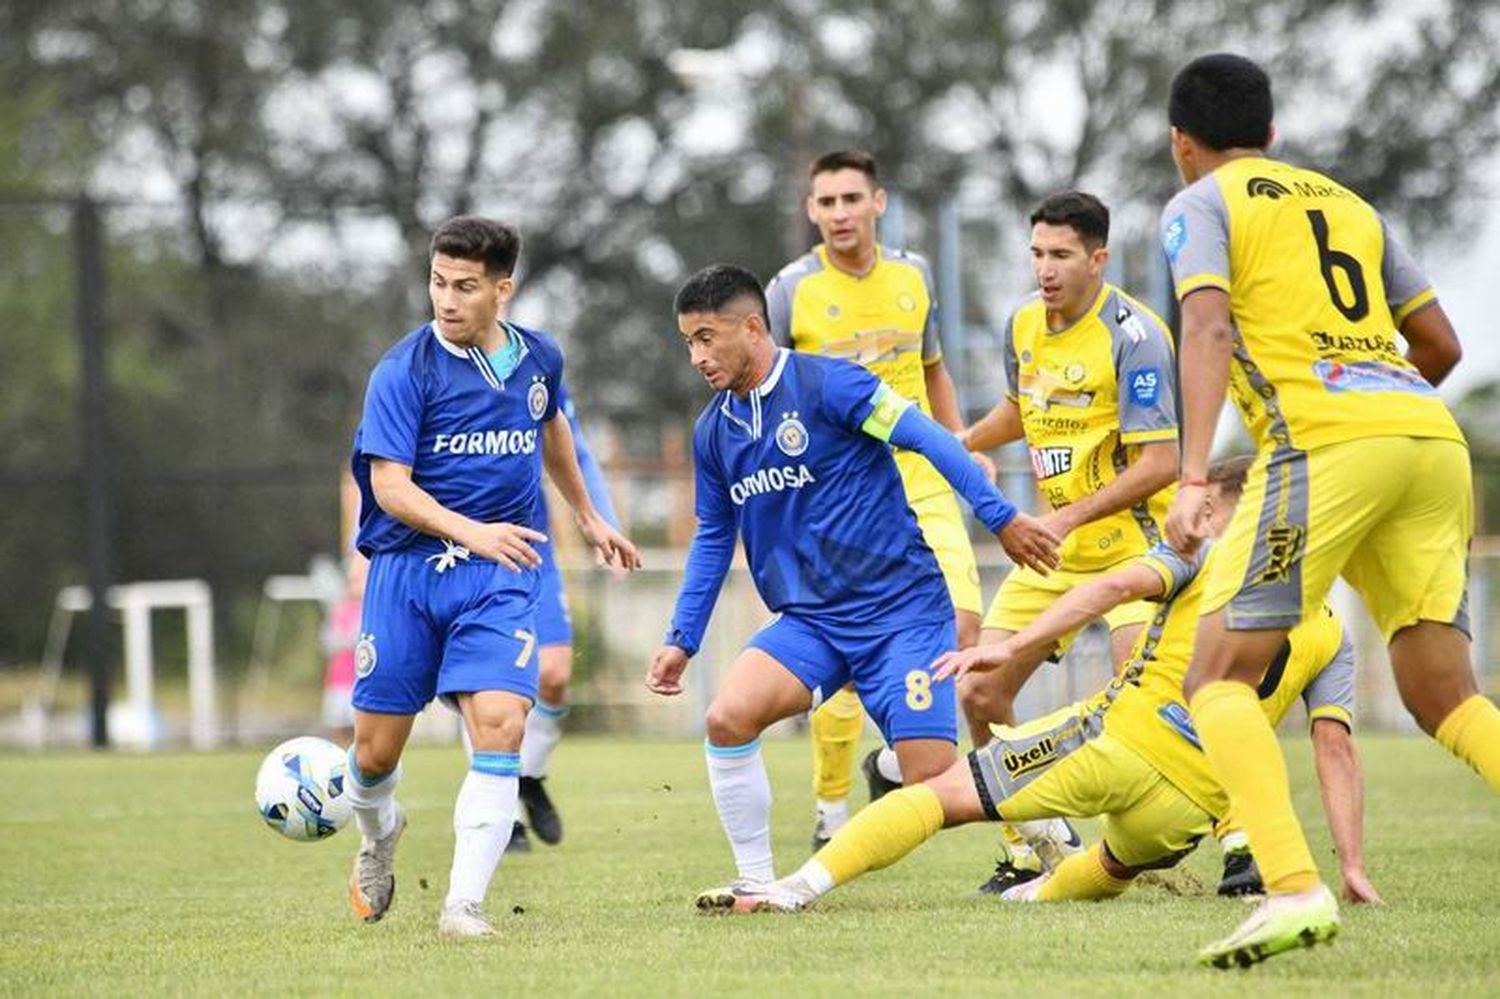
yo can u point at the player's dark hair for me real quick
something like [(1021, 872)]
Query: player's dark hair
[(1223, 101), (717, 286), (1086, 214), (845, 159), (469, 237), (1229, 474)]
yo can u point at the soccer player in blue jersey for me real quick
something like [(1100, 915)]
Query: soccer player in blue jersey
[(460, 417), (554, 642), (794, 455)]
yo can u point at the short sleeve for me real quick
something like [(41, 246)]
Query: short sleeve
[(1195, 236), (1331, 693), (1176, 571), (1406, 287), (932, 339), (850, 394), (392, 416), (1146, 374), (1012, 365), (779, 310), (552, 364)]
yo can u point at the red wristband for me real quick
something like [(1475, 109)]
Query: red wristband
[(1200, 483)]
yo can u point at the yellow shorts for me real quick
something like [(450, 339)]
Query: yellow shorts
[(1393, 515), (1025, 594), (1066, 764), (943, 527)]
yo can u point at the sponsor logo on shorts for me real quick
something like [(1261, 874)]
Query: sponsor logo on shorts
[(1283, 552), (536, 399), (1024, 762), (364, 656), (791, 435), (1049, 461)]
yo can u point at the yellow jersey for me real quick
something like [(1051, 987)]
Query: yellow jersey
[(1144, 708), (886, 321), (1089, 396), (1317, 289)]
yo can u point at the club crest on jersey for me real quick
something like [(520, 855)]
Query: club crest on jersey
[(791, 435), (536, 399), (364, 656)]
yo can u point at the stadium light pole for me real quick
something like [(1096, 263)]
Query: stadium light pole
[(93, 412)]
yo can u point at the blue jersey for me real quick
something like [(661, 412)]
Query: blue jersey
[(817, 500), (593, 475), (471, 439)]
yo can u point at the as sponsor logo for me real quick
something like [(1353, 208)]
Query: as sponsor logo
[(1265, 187), (770, 480), (1174, 236), (1018, 763), (1144, 385), (487, 441), (1049, 461)]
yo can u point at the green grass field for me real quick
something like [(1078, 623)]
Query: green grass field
[(126, 874)]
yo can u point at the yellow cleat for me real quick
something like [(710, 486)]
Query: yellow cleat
[(1279, 923)]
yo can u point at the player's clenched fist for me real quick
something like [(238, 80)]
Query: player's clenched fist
[(1031, 543), (664, 675), (508, 544), (1187, 518)]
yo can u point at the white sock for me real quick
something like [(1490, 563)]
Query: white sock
[(1236, 840), (482, 820), (742, 794), (835, 814), (543, 730), (811, 881), (374, 800), (888, 764)]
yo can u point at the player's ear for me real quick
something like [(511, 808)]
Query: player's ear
[(1270, 136), (1100, 257), (505, 289), (880, 201), (811, 206)]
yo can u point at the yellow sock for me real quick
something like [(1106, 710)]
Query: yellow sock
[(1242, 747), (882, 833), (836, 727), (1472, 733), (1082, 878)]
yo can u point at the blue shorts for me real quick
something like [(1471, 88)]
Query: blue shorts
[(425, 633), (890, 672), (554, 625)]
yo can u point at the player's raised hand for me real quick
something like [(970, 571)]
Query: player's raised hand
[(664, 674), (613, 547), (1031, 543), (1187, 518), (977, 659), (508, 544)]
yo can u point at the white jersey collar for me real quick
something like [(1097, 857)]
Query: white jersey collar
[(765, 387)]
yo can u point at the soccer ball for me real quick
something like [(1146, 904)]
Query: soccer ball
[(301, 789)]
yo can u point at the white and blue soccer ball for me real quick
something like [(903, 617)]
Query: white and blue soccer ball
[(302, 789)]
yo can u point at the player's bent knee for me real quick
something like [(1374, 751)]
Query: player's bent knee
[(1113, 866), (728, 725), (375, 760)]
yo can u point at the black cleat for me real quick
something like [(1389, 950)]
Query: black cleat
[(880, 784), (540, 811), (1241, 876), (519, 841), (1007, 876)]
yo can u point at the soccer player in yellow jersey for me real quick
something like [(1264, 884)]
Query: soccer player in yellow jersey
[(1092, 389), (853, 298), (1129, 753), (1293, 290)]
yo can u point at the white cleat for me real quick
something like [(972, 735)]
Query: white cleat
[(745, 896), (1026, 891), (1279, 923), (464, 920), (372, 883)]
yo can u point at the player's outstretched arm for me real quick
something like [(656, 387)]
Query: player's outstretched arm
[(1342, 784), (1432, 343), (1025, 539), (1207, 348), (399, 496), (561, 460), (1068, 613), (1000, 425)]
